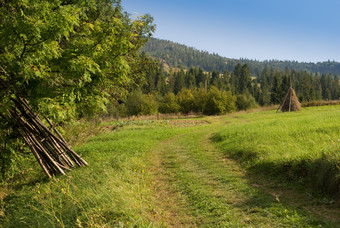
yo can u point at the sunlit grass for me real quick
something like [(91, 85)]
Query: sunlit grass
[(292, 145), (118, 187)]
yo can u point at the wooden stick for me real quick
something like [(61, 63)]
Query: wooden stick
[(36, 154)]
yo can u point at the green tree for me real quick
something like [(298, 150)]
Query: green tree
[(179, 81), (276, 90), (138, 104), (236, 77), (185, 99), (201, 98), (200, 78), (190, 80), (169, 104), (244, 79), (219, 102), (67, 58)]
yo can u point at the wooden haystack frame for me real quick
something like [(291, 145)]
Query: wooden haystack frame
[(49, 147), (290, 102)]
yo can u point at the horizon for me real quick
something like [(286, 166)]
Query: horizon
[(254, 30)]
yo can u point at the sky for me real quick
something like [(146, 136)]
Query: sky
[(299, 30)]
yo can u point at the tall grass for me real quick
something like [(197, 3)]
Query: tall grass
[(297, 146), (111, 191)]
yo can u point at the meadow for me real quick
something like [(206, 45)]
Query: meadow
[(297, 146), (249, 169)]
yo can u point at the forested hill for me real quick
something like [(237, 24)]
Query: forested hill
[(178, 55)]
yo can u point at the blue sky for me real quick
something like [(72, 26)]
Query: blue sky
[(301, 30)]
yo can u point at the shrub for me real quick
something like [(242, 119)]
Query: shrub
[(116, 110), (201, 98), (219, 102), (245, 102), (138, 103), (186, 100), (169, 104), (149, 105)]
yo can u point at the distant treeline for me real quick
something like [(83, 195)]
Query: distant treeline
[(181, 56), (211, 93), (268, 87)]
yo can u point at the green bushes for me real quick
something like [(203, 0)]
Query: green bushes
[(138, 104), (211, 102), (169, 104), (245, 102), (219, 102), (186, 99)]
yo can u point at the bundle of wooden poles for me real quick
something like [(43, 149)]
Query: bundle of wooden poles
[(47, 144)]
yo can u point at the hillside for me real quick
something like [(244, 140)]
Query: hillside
[(178, 55)]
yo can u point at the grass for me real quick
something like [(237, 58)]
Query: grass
[(109, 192), (215, 191), (156, 173), (301, 146)]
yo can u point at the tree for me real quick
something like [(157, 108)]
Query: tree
[(245, 79), (67, 58), (201, 98), (236, 77), (169, 104), (200, 78), (179, 81), (218, 102), (276, 90), (138, 104), (185, 99), (190, 80)]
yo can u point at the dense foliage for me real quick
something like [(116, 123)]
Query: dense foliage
[(67, 58), (177, 55), (211, 93)]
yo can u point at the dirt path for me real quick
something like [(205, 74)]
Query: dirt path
[(196, 185)]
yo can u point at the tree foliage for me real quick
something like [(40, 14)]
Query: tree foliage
[(68, 57), (138, 104)]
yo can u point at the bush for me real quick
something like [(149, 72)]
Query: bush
[(149, 105), (245, 102), (219, 102), (116, 110), (169, 104), (201, 99), (186, 100), (138, 104)]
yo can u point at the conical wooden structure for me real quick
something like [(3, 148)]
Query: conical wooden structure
[(47, 144), (290, 102)]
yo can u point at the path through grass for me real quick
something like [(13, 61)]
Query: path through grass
[(161, 174), (202, 187)]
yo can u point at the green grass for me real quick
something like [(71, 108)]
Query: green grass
[(111, 191), (299, 146), (215, 191), (178, 173)]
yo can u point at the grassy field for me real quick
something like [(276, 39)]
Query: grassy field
[(300, 146), (258, 169)]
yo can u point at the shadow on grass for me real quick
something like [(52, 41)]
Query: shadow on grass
[(321, 175)]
